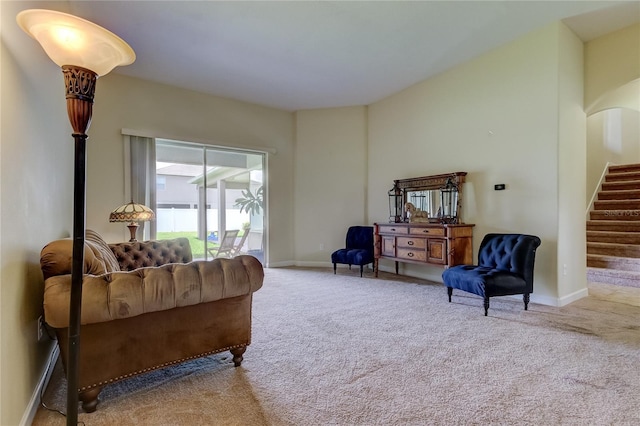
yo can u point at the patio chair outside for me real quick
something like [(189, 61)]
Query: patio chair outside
[(237, 249), (227, 244)]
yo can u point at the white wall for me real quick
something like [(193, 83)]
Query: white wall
[(330, 187), (172, 113), (613, 136), (36, 187), (610, 62), (572, 131), (612, 70), (497, 118)]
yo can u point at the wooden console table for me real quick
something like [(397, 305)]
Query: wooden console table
[(423, 243)]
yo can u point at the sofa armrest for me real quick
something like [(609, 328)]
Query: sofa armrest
[(143, 254), (120, 295)]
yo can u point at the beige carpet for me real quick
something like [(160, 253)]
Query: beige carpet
[(345, 350)]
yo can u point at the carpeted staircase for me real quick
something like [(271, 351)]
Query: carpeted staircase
[(613, 231)]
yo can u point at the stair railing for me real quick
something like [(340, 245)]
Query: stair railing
[(598, 186)]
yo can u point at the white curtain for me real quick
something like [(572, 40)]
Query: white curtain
[(141, 185)]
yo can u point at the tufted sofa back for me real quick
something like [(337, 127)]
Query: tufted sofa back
[(102, 258), (509, 252), (138, 254)]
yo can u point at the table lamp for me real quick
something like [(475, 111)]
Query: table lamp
[(132, 213)]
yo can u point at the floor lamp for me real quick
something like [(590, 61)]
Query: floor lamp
[(84, 51)]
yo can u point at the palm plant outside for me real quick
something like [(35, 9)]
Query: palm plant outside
[(251, 203)]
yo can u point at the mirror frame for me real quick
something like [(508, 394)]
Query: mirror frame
[(433, 182)]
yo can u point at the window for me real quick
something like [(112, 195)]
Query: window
[(228, 182)]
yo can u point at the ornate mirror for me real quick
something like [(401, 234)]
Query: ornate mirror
[(435, 198)]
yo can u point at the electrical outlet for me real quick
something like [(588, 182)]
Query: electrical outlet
[(321, 247), (40, 328)]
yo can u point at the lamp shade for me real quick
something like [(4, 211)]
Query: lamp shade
[(131, 212), (69, 40)]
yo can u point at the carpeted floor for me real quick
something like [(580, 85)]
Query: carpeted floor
[(343, 350)]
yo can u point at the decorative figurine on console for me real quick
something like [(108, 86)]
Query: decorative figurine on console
[(415, 214)]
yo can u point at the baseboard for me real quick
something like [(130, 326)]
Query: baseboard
[(34, 402), (306, 264), (570, 298), (540, 300), (283, 264)]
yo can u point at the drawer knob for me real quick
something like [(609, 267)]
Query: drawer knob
[(393, 229), (410, 254), (425, 231), (410, 243)]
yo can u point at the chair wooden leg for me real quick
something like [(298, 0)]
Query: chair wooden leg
[(486, 305), (449, 292), (334, 268), (361, 268), (525, 298)]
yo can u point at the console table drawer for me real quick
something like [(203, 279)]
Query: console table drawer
[(413, 243), (427, 231), (395, 230), (410, 254)]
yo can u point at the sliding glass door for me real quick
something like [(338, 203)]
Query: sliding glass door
[(205, 193)]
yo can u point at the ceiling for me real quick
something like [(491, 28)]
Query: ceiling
[(296, 55)]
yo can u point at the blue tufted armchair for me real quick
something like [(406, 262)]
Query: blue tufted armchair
[(358, 250), (505, 267)]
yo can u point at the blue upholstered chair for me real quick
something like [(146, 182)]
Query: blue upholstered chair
[(505, 267), (358, 250)]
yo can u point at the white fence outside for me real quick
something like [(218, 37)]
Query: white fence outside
[(186, 220)]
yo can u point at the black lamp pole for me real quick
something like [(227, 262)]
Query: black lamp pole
[(80, 86)]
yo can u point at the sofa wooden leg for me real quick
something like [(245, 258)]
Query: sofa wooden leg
[(486, 305), (237, 355), (525, 298), (89, 399), (449, 292)]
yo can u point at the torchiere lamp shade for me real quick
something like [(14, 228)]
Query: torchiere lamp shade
[(70, 40)]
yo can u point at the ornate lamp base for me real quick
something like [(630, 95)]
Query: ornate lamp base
[(133, 227)]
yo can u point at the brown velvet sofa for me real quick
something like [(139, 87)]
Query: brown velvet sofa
[(146, 305)]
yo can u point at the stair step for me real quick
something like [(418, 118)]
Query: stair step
[(613, 262), (613, 225), (617, 215), (611, 249), (622, 176), (623, 168), (631, 238), (613, 233), (613, 276), (628, 194), (621, 185), (617, 205)]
